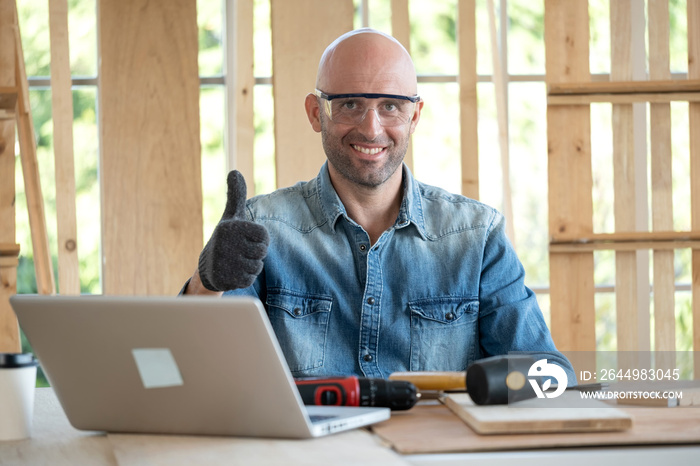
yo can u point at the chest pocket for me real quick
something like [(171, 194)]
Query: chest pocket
[(300, 322), (444, 333)]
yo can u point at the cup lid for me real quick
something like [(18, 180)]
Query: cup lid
[(13, 360)]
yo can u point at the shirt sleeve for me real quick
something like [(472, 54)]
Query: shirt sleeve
[(510, 319)]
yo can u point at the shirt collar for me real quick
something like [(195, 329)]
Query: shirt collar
[(410, 212)]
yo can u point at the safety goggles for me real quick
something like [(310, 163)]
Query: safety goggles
[(351, 109)]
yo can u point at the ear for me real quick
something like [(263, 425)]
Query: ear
[(313, 111), (416, 116)]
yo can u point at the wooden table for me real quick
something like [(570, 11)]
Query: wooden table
[(55, 442), (429, 434)]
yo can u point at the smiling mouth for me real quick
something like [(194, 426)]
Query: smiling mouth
[(368, 150)]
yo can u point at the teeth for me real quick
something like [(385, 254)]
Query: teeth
[(368, 151)]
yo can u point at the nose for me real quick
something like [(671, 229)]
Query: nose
[(370, 126)]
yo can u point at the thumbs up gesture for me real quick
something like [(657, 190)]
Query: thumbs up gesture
[(234, 255)]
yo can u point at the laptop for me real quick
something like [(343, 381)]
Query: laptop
[(173, 365)]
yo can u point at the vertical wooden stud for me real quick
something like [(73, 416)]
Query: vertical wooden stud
[(570, 178), (239, 66), (401, 30), (624, 177), (694, 128), (62, 111), (661, 181), (468, 105), (9, 330), (500, 87)]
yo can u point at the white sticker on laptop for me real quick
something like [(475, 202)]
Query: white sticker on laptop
[(157, 367)]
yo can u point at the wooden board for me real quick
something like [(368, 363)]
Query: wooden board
[(468, 104), (570, 178), (660, 82), (661, 181), (296, 50), (241, 119), (566, 413), (30, 172), (62, 113), (431, 427), (150, 162), (401, 30), (9, 329), (694, 129), (621, 68)]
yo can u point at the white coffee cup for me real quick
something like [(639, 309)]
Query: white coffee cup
[(17, 386)]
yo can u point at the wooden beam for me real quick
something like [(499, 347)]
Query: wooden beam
[(468, 105), (625, 91), (630, 236), (9, 328), (240, 90), (150, 163), (401, 30), (30, 172), (624, 177), (653, 86), (656, 246), (662, 182), (693, 18), (570, 177), (62, 112), (500, 86), (296, 51)]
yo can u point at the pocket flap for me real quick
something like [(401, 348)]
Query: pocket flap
[(447, 310), (297, 304)]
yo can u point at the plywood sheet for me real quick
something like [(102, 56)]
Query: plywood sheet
[(150, 145), (567, 413), (431, 427)]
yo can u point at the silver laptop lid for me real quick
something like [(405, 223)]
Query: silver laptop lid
[(189, 365)]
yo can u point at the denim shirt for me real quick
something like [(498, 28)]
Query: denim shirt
[(438, 290)]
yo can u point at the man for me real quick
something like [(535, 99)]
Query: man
[(364, 270)]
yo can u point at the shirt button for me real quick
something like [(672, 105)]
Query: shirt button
[(449, 316), (363, 247), (367, 358), (297, 312), (370, 301)]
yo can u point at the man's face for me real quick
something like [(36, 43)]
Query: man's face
[(368, 153)]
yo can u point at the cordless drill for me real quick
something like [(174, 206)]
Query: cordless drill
[(357, 391)]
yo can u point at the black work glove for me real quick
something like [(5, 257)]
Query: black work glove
[(234, 255)]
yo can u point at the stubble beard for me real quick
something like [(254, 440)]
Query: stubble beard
[(363, 173)]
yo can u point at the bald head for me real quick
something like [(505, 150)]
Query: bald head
[(366, 60)]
